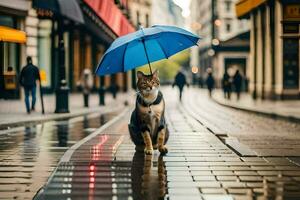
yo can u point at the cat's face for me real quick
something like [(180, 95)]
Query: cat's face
[(148, 84)]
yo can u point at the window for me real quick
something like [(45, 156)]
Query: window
[(228, 6), (228, 27), (147, 20), (137, 18)]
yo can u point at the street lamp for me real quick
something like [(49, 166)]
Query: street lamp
[(60, 10), (62, 90)]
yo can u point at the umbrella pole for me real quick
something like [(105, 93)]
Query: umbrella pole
[(147, 55)]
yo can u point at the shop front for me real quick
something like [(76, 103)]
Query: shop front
[(11, 39), (274, 47), (291, 56)]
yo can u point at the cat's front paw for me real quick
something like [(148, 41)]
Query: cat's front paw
[(163, 149), (148, 151)]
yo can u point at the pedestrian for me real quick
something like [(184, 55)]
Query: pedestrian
[(237, 82), (200, 82), (86, 83), (226, 84), (180, 81), (210, 82), (28, 77)]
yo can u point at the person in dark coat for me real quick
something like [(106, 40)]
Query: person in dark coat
[(180, 81), (237, 82), (226, 85), (28, 77), (210, 82)]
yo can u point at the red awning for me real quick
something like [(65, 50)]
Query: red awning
[(111, 15)]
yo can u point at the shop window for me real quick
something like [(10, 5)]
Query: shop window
[(137, 18), (228, 27), (10, 55), (7, 21), (147, 20), (44, 53), (228, 6)]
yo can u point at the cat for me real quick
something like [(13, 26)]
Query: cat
[(147, 128)]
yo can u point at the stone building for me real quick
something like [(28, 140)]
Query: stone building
[(224, 44), (166, 12), (140, 14), (274, 47), (84, 43)]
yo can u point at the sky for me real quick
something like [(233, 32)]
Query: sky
[(185, 5)]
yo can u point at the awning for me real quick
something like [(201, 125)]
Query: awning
[(111, 15), (12, 35), (243, 7), (67, 8)]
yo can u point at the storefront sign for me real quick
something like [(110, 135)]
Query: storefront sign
[(10, 81), (292, 12), (43, 76), (44, 14), (290, 28)]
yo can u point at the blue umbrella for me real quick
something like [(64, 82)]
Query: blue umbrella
[(144, 46)]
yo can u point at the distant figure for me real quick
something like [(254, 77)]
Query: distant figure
[(226, 84), (10, 69), (86, 83), (210, 82), (237, 82), (200, 82), (28, 77), (180, 81)]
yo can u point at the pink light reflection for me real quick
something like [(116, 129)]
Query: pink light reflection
[(96, 149)]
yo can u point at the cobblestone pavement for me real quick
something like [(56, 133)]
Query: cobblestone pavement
[(284, 109), (198, 166), (264, 136), (29, 154)]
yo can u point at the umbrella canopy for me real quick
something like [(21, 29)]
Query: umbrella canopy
[(145, 46), (67, 8)]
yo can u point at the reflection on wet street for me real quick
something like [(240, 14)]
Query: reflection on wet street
[(107, 167), (148, 176), (29, 154)]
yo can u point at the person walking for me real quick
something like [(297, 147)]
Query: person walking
[(226, 84), (210, 82), (86, 83), (237, 82), (180, 81), (28, 77)]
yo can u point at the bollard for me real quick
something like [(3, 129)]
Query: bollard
[(101, 93), (114, 91), (62, 98)]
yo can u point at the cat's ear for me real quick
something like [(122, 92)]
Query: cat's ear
[(155, 73), (140, 74)]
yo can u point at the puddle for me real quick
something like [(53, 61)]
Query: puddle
[(34, 150)]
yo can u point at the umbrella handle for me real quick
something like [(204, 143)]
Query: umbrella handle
[(143, 41)]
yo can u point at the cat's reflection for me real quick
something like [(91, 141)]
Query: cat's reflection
[(148, 176)]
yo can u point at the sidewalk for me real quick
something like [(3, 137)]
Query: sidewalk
[(287, 109), (13, 112)]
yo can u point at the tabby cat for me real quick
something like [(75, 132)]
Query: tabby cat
[(147, 124)]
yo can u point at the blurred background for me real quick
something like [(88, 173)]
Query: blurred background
[(260, 38)]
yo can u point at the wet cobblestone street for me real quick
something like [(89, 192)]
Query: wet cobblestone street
[(200, 163), (29, 154)]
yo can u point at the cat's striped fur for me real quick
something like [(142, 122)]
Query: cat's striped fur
[(147, 124)]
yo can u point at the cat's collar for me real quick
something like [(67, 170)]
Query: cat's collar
[(155, 102)]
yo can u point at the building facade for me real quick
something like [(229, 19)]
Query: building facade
[(84, 44), (166, 12), (140, 15), (12, 49), (274, 43), (222, 46)]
